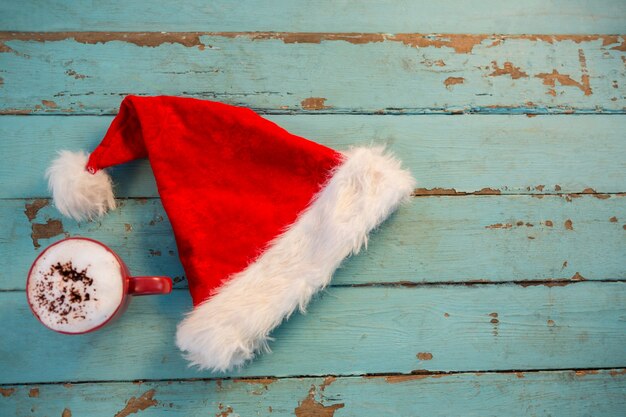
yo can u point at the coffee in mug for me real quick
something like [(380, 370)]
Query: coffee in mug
[(78, 285)]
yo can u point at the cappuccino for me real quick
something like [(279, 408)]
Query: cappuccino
[(75, 286)]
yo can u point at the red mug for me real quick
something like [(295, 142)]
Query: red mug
[(63, 282)]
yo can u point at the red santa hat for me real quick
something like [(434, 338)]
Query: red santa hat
[(262, 217)]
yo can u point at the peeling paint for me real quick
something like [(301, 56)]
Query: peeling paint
[(7, 392), (616, 373), (550, 79), (507, 69), (578, 277), (314, 103), (309, 407), (51, 228), (424, 356), (66, 413), (134, 405), (519, 223), (499, 226), (149, 39), (460, 43), (224, 413), (395, 379), (327, 381), (422, 192), (568, 225), (74, 74), (49, 103), (591, 191), (5, 49), (128, 227), (263, 382), (33, 393), (586, 372), (550, 323), (494, 320), (548, 223), (33, 208), (453, 81)]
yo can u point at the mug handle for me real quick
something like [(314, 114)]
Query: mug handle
[(149, 285)]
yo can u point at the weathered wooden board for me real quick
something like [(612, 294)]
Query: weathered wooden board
[(560, 393), (347, 331), (450, 155), (89, 72), (469, 16), (432, 239)]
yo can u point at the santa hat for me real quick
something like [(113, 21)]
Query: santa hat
[(262, 217)]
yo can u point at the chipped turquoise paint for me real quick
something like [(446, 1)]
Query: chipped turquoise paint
[(273, 76), (438, 239), (467, 153), (347, 331), (561, 393)]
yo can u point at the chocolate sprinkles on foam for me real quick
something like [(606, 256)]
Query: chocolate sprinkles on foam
[(74, 286)]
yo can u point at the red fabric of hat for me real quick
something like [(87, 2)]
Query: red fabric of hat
[(262, 217)]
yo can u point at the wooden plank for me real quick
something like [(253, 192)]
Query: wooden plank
[(463, 154), (89, 72), (347, 331), (561, 393), (437, 239), (473, 16)]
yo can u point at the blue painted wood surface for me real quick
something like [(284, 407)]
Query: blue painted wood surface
[(88, 73), (433, 239), (499, 290), (461, 154), (347, 331), (560, 393), (442, 16)]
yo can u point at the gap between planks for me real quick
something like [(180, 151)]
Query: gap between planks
[(576, 279), (422, 192), (261, 378)]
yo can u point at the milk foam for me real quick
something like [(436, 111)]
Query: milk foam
[(75, 286)]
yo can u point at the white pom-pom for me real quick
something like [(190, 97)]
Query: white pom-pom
[(76, 192)]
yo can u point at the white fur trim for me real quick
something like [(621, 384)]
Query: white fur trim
[(229, 328), (76, 192)]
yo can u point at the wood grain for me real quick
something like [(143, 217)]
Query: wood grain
[(432, 239), (452, 155), (560, 393), (470, 16), (281, 72), (347, 331)]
